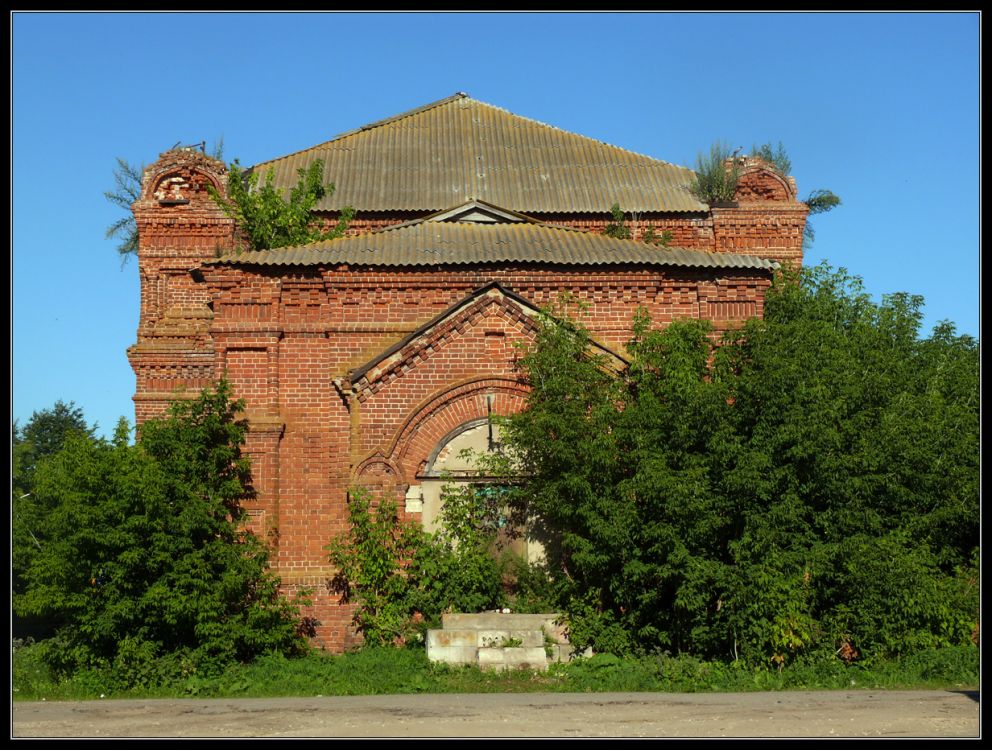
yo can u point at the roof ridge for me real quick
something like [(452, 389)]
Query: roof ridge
[(459, 95)]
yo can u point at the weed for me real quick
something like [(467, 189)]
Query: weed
[(375, 671)]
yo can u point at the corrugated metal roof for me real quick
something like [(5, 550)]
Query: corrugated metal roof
[(459, 148), (432, 243)]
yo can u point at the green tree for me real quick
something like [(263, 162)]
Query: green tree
[(770, 497), (147, 568), (267, 219), (845, 452), (43, 436), (127, 189)]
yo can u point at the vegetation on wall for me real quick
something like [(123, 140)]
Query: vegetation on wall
[(265, 218), (659, 239), (777, 157), (268, 220), (143, 565), (127, 189), (716, 175), (818, 201), (617, 227), (810, 486)]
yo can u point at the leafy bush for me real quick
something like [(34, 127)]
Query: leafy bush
[(371, 559), (268, 220), (403, 578), (145, 564), (809, 486)]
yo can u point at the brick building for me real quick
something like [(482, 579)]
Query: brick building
[(363, 359)]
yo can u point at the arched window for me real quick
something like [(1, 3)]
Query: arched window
[(454, 463)]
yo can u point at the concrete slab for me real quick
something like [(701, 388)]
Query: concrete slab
[(498, 621), (499, 659), (442, 648), (500, 638)]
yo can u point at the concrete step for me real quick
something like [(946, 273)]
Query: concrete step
[(486, 638), (499, 621), (483, 639), (498, 659), (453, 646)]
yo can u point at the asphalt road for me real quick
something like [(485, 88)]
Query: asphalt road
[(859, 713)]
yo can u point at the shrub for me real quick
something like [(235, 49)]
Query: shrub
[(810, 486), (402, 577), (268, 220), (145, 557), (716, 176)]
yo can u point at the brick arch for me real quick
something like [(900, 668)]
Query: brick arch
[(379, 476), (758, 182), (190, 184), (376, 465), (437, 416), (189, 168)]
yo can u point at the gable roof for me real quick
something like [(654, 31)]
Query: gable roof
[(390, 360), (460, 148), (434, 241)]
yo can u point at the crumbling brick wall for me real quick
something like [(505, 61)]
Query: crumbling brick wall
[(289, 338)]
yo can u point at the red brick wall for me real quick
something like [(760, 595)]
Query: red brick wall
[(287, 341), (311, 329)]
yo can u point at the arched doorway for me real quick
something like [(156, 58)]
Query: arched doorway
[(454, 463)]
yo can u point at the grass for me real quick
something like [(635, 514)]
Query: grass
[(393, 671)]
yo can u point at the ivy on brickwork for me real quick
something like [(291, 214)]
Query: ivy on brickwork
[(268, 220)]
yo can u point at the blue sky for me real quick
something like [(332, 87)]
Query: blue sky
[(882, 109)]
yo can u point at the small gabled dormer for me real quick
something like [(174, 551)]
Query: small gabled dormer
[(479, 212)]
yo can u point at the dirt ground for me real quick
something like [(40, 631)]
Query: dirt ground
[(788, 714)]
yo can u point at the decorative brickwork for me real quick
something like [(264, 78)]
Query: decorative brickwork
[(354, 375)]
